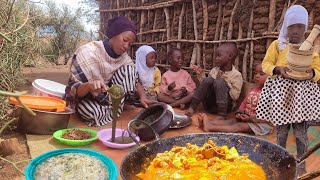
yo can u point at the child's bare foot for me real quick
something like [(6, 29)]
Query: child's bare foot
[(200, 121), (190, 111), (203, 122)]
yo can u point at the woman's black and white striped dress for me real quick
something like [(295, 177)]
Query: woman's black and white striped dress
[(98, 114)]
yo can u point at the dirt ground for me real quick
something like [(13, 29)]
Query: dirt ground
[(51, 72)]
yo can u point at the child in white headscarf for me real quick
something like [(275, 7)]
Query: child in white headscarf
[(286, 102), (149, 75)]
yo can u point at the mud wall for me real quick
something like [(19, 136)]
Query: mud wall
[(198, 26)]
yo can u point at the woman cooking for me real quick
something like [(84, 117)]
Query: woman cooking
[(98, 65)]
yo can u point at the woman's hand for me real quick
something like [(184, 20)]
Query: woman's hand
[(96, 87), (282, 71)]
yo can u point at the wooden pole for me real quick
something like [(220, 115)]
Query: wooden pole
[(216, 34), (222, 25), (205, 31), (154, 24), (118, 6), (141, 8), (285, 7), (142, 19), (230, 28), (166, 12), (251, 58), (207, 42), (183, 9), (272, 16), (246, 52), (240, 32), (152, 31), (196, 51)]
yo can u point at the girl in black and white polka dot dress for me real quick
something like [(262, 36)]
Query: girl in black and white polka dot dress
[(286, 102)]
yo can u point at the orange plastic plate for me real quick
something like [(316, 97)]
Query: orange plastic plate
[(41, 103)]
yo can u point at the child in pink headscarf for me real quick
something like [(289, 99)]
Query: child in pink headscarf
[(177, 86)]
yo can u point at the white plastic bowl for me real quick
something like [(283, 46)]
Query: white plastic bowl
[(104, 136), (43, 87)]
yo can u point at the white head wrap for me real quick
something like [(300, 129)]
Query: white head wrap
[(145, 73), (296, 14)]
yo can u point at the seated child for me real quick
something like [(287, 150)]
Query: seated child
[(246, 121), (149, 75), (220, 91), (177, 86)]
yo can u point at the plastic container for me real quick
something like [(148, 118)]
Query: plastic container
[(110, 165), (104, 136), (43, 87), (51, 104), (58, 135)]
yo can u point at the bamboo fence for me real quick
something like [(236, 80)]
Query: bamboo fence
[(198, 27)]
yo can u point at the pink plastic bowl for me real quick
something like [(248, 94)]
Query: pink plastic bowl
[(104, 136)]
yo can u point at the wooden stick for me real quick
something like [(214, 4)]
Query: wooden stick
[(14, 164), (222, 25), (142, 19), (205, 30), (245, 56), (272, 16), (230, 28), (206, 42), (216, 34), (166, 12), (152, 31), (154, 23), (186, 68), (285, 7), (173, 20), (205, 19), (118, 6), (183, 9), (251, 59), (195, 29), (193, 56), (140, 8), (240, 32)]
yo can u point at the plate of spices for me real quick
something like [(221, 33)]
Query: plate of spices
[(75, 136)]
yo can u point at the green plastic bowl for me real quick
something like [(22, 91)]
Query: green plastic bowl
[(58, 136)]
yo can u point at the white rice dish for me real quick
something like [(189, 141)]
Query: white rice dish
[(71, 166)]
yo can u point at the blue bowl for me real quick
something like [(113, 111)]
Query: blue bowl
[(110, 165)]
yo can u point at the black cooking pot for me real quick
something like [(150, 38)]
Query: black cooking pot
[(276, 161), (158, 116)]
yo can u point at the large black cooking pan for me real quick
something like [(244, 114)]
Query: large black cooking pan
[(275, 160)]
